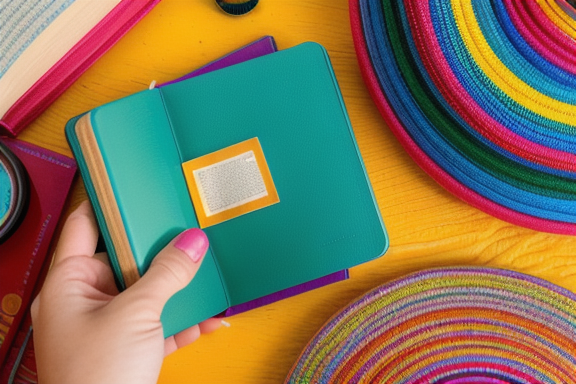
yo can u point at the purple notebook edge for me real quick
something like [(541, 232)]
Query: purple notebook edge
[(260, 47), (288, 292)]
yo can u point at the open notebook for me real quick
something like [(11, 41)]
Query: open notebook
[(274, 126)]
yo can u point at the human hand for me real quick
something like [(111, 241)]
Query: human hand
[(85, 331)]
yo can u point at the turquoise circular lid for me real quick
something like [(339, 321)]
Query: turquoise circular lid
[(6, 188), (13, 192)]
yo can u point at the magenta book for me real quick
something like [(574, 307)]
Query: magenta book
[(24, 253)]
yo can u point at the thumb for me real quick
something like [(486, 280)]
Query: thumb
[(172, 269)]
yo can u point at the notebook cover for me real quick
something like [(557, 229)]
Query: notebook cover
[(24, 253), (327, 217), (69, 68), (259, 48)]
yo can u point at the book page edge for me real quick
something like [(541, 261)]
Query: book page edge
[(106, 199)]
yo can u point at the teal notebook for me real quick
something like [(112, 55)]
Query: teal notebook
[(131, 154)]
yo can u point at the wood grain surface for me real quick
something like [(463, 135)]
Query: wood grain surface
[(428, 227)]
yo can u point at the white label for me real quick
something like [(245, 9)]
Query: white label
[(230, 183)]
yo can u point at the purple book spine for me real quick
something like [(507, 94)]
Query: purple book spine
[(288, 292), (261, 47)]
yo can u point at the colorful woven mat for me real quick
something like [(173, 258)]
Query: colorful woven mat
[(482, 95), (456, 325)]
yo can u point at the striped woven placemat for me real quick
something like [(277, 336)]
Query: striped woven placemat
[(482, 94), (448, 325)]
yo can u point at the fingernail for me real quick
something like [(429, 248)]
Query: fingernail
[(192, 242)]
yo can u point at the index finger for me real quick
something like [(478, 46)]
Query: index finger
[(79, 236)]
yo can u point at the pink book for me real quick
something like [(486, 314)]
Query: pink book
[(30, 85)]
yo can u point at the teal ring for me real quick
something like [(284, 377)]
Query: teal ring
[(14, 192)]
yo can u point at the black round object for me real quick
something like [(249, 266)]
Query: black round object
[(237, 7)]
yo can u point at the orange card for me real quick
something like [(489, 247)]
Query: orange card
[(230, 182)]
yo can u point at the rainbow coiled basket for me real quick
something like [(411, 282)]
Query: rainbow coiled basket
[(482, 95), (448, 325)]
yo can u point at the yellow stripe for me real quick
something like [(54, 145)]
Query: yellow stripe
[(500, 75), (562, 20)]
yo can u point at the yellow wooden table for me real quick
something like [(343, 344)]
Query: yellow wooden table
[(428, 226)]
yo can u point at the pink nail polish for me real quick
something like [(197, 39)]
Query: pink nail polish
[(192, 242)]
